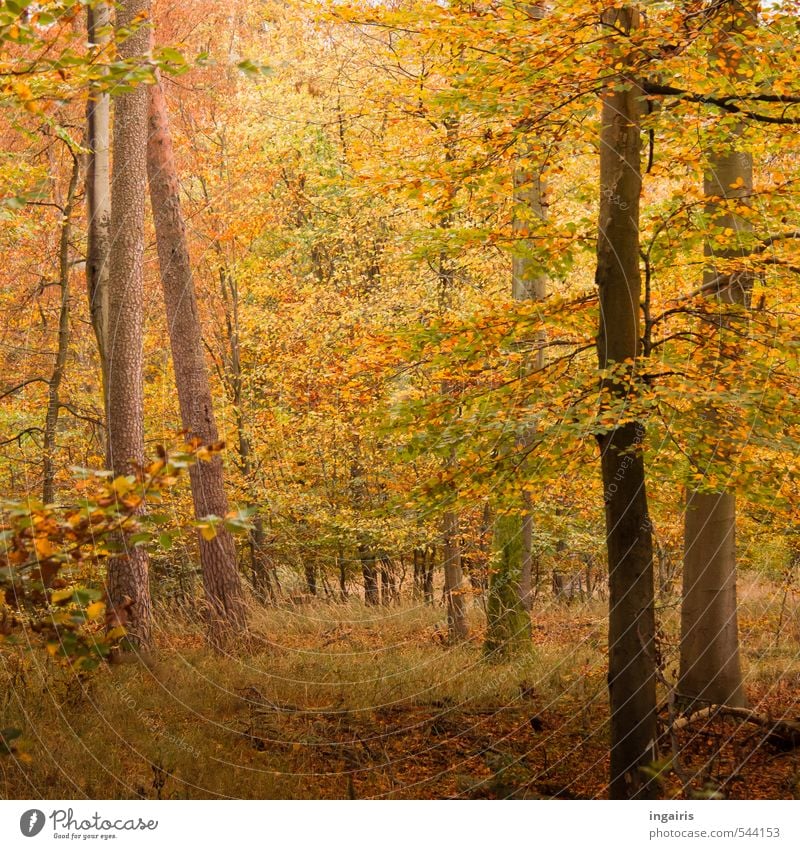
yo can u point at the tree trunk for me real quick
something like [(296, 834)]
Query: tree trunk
[(710, 669), (419, 574), (264, 576), (709, 663), (631, 674), (54, 385), (223, 586), (429, 564), (510, 585), (340, 559), (454, 590), (368, 570), (311, 578), (98, 199), (128, 586), (509, 624)]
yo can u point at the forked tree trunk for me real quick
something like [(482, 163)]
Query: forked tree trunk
[(128, 585), (98, 199), (223, 586), (631, 673), (710, 668)]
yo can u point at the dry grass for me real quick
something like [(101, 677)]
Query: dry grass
[(337, 700)]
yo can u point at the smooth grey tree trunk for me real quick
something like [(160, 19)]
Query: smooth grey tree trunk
[(631, 669), (710, 667)]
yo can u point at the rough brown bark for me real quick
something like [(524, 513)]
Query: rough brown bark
[(128, 585), (223, 586), (710, 668), (631, 673)]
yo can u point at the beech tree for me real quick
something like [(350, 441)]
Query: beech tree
[(710, 668), (631, 662)]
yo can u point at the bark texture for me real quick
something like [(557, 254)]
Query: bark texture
[(221, 580), (631, 674), (710, 668), (128, 586)]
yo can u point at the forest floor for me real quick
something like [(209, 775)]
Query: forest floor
[(338, 701)]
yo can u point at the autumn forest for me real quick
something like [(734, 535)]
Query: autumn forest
[(400, 399)]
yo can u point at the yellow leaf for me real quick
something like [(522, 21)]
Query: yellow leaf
[(44, 548), (95, 610), (60, 596), (208, 532), (122, 485)]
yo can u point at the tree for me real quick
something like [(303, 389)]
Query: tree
[(67, 209), (510, 582), (128, 584), (98, 195), (454, 589), (710, 669), (631, 639), (223, 587)]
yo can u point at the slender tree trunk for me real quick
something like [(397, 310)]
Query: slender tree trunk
[(710, 669), (98, 198), (370, 574), (419, 574), (223, 586), (340, 559), (264, 576), (311, 578), (631, 674), (529, 283), (128, 586), (509, 624), (429, 564), (454, 590), (54, 385)]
